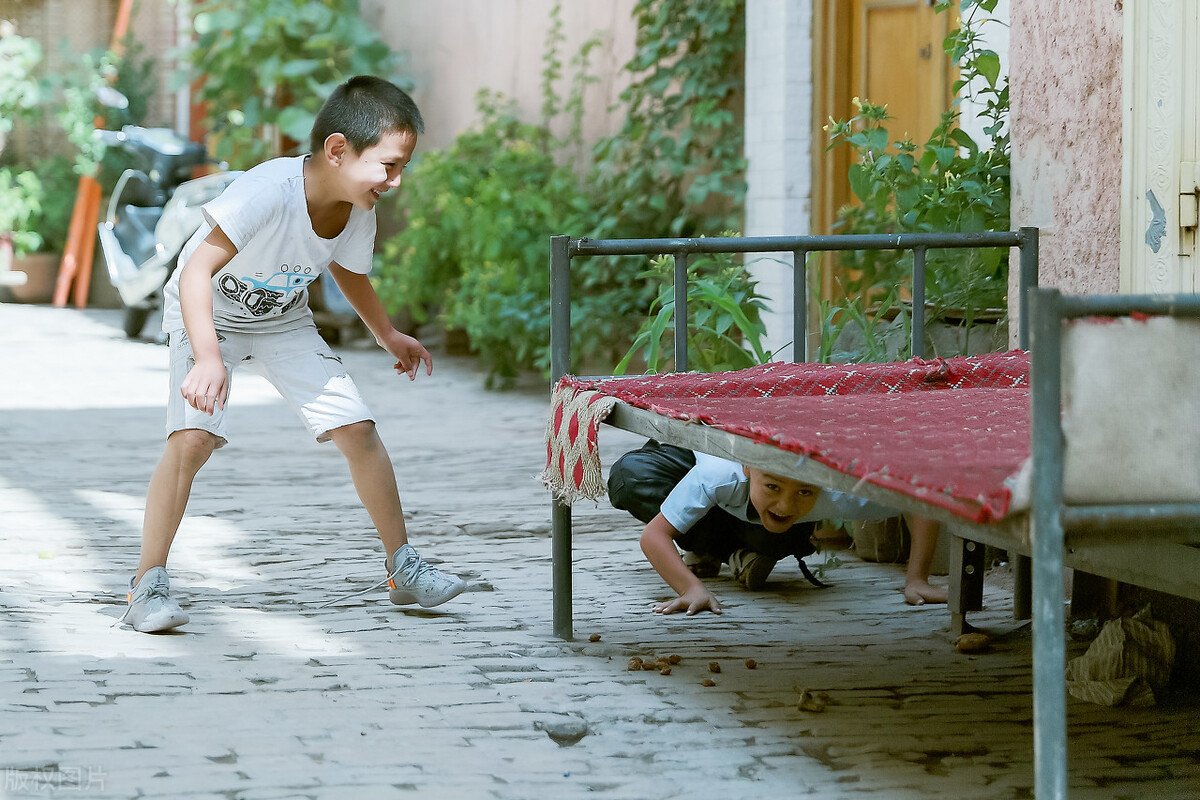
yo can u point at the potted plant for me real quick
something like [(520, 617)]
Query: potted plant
[(35, 213), (950, 183), (20, 192), (20, 203)]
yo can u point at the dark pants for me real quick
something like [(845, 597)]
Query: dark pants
[(640, 480)]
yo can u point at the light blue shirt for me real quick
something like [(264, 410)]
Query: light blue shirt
[(718, 483)]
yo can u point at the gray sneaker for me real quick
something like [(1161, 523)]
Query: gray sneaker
[(750, 568), (151, 607), (414, 581)]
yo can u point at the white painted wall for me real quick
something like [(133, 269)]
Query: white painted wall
[(779, 102), (993, 28)]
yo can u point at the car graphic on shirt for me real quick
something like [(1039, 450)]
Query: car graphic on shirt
[(263, 297)]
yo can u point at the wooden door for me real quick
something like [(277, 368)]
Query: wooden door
[(888, 52)]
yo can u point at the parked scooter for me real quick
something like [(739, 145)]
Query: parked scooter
[(154, 209)]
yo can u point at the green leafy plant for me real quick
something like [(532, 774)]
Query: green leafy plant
[(951, 183), (20, 89), (865, 339), (40, 196), (831, 562), (266, 66), (53, 218), (20, 94), (24, 193), (474, 247), (676, 165), (725, 327), (478, 214), (20, 205), (74, 103)]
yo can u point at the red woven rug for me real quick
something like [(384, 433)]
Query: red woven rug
[(946, 431)]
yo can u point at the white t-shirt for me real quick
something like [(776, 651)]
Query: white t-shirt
[(264, 288), (718, 483)]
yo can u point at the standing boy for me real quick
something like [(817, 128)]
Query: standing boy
[(718, 511), (240, 296)]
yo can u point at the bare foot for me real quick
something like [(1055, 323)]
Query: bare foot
[(918, 593)]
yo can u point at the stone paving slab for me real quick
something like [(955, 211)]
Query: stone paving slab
[(266, 695)]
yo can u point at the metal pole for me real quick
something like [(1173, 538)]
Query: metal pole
[(681, 312), (1049, 647), (560, 523), (918, 311), (1027, 279), (560, 308), (799, 306), (560, 364)]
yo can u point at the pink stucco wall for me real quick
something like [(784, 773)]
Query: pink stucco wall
[(1066, 138), (454, 48)]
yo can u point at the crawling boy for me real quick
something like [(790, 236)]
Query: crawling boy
[(721, 512)]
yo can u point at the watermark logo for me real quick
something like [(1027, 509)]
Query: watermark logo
[(51, 778)]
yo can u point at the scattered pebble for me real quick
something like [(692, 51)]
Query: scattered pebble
[(664, 671), (708, 682), (635, 663), (565, 731), (674, 659), (595, 637), (813, 701), (751, 663), (972, 643), (713, 666)]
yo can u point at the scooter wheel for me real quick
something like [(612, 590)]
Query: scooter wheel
[(135, 320)]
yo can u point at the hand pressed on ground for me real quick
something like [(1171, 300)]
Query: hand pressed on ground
[(690, 602)]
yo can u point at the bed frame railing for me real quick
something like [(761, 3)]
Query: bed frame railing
[(563, 249), (1056, 525)]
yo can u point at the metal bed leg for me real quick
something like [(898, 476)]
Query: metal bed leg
[(560, 526), (1049, 662), (1093, 596), (1049, 636), (966, 574), (560, 363), (1022, 589)]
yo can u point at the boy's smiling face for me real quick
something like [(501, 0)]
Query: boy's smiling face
[(366, 176), (779, 501)]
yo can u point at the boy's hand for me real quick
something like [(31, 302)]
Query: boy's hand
[(690, 602), (409, 354), (206, 386)]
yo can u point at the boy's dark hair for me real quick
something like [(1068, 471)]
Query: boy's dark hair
[(363, 109)]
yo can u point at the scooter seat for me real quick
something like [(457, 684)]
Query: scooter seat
[(140, 219)]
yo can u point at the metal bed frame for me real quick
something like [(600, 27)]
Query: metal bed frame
[(1053, 534)]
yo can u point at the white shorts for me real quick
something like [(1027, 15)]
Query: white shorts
[(298, 363)]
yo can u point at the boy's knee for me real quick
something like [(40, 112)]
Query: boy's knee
[(631, 489), (622, 481), (194, 444), (355, 436)]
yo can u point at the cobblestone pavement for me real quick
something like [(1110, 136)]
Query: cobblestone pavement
[(266, 695)]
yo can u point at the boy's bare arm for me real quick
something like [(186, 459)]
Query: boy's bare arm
[(357, 288), (206, 386), (658, 543)]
